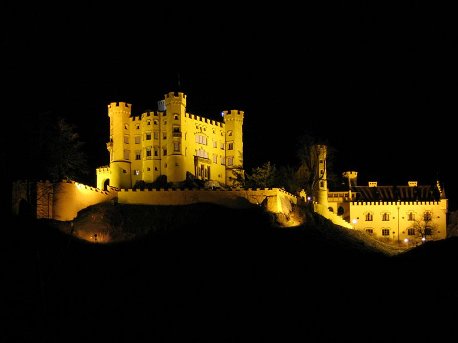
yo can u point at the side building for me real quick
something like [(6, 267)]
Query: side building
[(404, 214), (170, 143)]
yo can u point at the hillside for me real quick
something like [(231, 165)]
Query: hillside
[(205, 273)]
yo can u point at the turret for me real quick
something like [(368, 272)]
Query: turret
[(175, 111), (321, 187), (351, 176), (119, 113), (234, 142)]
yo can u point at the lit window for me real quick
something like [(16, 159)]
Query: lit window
[(126, 154), (136, 172)]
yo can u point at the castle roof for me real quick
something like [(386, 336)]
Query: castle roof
[(395, 193)]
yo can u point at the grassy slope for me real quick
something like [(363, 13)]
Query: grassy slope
[(217, 274)]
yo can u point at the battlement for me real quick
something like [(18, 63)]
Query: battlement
[(204, 120), (233, 115), (174, 95), (104, 169), (119, 104), (390, 203)]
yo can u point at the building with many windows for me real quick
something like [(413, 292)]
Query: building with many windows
[(406, 214), (170, 143)]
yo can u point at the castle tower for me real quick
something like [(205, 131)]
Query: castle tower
[(119, 113), (321, 187), (175, 110), (234, 142)]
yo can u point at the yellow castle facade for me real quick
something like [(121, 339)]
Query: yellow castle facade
[(170, 143), (404, 214)]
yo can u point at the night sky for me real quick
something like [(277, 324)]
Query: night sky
[(377, 81)]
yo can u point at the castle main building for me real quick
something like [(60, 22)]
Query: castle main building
[(170, 143)]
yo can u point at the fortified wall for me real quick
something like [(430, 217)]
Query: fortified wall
[(63, 200), (275, 200), (60, 201)]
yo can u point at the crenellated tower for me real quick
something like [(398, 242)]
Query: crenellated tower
[(234, 142), (171, 123), (119, 114), (321, 186)]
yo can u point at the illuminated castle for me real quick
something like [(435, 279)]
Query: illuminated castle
[(170, 143)]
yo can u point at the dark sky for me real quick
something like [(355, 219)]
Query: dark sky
[(376, 80)]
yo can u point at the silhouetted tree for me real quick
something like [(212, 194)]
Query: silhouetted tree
[(262, 177), (424, 227), (55, 151)]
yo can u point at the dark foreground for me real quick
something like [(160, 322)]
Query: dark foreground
[(224, 280)]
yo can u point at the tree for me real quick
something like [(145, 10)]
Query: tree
[(55, 151), (424, 227), (262, 177)]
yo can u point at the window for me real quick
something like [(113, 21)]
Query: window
[(126, 126), (385, 232), (411, 216), (229, 133), (230, 146), (222, 160), (369, 217), (175, 117), (136, 172), (148, 136), (126, 154), (164, 135), (176, 146), (138, 155), (126, 139), (148, 122), (156, 135), (137, 126), (222, 146), (385, 217), (427, 216), (155, 122), (411, 232), (370, 231), (428, 231), (215, 144), (164, 152), (137, 139), (230, 160), (156, 151), (215, 158), (148, 153)]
